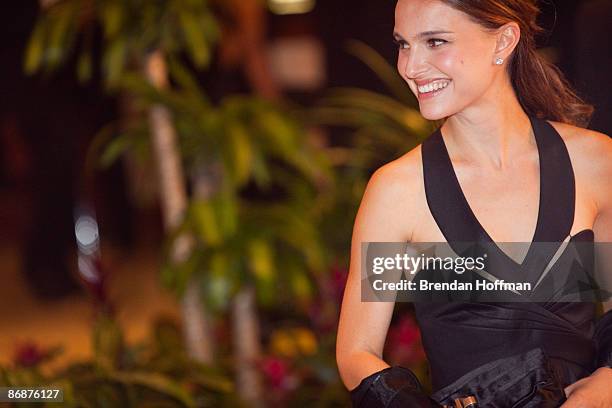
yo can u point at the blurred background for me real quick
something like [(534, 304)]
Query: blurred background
[(178, 184)]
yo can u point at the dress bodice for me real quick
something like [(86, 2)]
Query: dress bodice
[(461, 336)]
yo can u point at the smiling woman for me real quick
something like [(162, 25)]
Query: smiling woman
[(539, 85), (512, 123)]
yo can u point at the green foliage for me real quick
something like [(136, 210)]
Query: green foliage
[(274, 216), (251, 150), (53, 36), (250, 153), (107, 343), (130, 29), (157, 373)]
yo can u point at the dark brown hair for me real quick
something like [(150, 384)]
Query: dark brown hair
[(541, 88)]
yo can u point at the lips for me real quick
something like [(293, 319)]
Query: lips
[(421, 82), (432, 87)]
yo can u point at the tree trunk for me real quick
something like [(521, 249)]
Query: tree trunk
[(247, 347), (173, 197)]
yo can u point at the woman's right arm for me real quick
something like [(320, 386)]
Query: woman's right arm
[(383, 216)]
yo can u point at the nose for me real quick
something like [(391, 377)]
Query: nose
[(411, 63)]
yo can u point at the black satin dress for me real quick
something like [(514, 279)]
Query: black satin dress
[(494, 345)]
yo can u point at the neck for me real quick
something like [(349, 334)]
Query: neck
[(492, 132)]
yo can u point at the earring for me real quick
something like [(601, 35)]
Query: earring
[(499, 61)]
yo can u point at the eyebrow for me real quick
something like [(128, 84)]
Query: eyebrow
[(396, 35)]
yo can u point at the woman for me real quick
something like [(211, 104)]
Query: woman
[(510, 163)]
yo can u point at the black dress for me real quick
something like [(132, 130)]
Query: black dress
[(496, 348)]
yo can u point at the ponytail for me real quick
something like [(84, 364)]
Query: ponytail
[(543, 91)]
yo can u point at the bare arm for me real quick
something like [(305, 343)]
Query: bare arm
[(382, 217), (603, 199), (595, 167)]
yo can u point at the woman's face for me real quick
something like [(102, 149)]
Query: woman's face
[(446, 58)]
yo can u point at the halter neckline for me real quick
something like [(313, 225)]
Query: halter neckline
[(456, 219)]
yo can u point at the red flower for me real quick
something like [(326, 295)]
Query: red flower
[(275, 370), (29, 354)]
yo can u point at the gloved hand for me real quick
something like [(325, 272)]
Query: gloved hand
[(392, 387)]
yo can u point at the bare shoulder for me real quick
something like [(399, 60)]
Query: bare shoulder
[(586, 144), (591, 154), (394, 190), (400, 180), (401, 176)]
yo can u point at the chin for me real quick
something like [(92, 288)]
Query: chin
[(438, 107), (434, 112)]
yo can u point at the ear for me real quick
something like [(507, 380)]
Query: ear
[(508, 37)]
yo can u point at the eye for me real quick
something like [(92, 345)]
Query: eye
[(435, 42), (400, 44)]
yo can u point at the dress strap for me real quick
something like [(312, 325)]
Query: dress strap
[(452, 212)]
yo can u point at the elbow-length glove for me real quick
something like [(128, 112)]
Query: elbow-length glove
[(392, 387), (603, 339)]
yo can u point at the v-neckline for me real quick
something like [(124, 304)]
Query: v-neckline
[(469, 212)]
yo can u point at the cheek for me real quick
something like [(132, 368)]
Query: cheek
[(467, 71), (401, 64), (451, 62)]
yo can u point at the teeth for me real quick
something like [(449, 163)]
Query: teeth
[(433, 86)]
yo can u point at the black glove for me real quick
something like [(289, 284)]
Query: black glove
[(392, 387), (603, 339)]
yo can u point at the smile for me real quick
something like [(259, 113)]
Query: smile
[(433, 88)]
